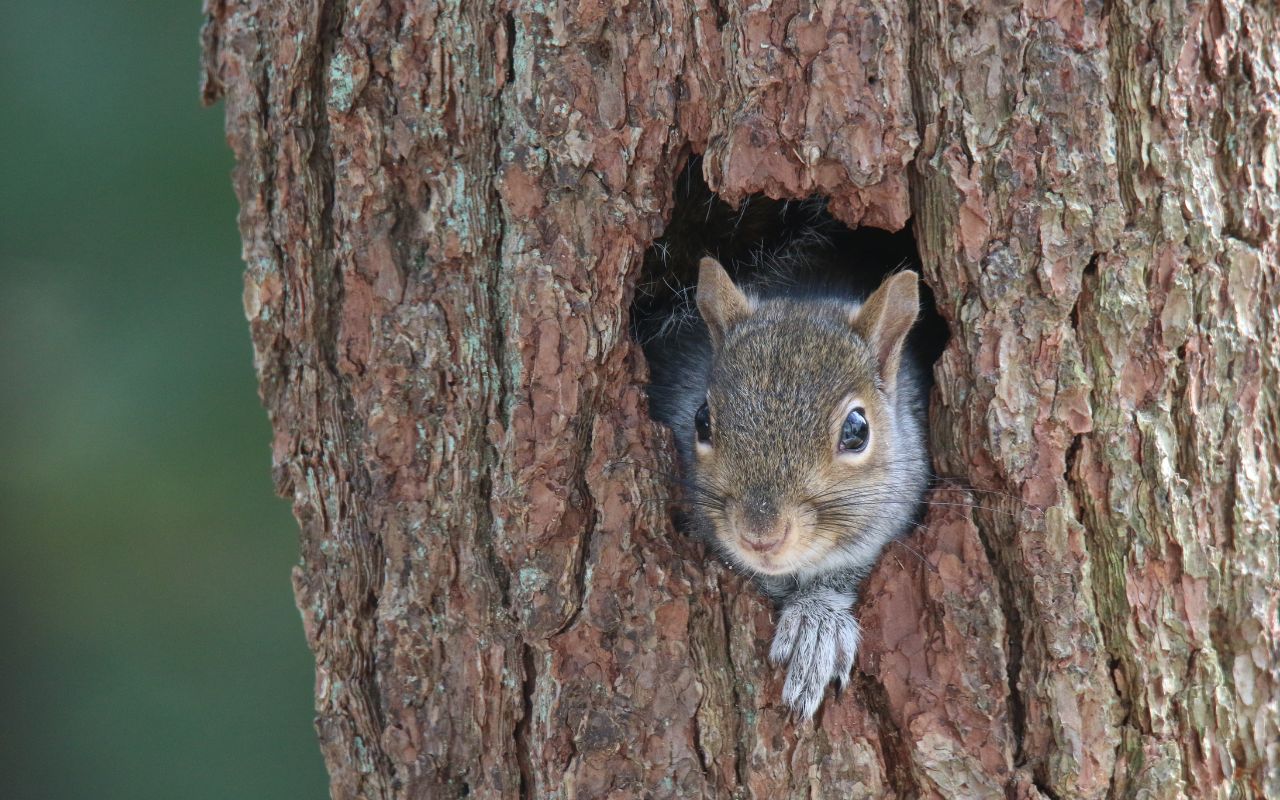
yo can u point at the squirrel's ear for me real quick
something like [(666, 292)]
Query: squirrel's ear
[(884, 319), (721, 304)]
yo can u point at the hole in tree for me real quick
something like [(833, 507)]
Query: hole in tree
[(772, 246), (768, 241)]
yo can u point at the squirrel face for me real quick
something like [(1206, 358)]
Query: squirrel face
[(800, 449)]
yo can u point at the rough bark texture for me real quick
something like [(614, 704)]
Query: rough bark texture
[(444, 209)]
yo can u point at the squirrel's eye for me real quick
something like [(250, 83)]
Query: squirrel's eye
[(702, 424), (855, 433)]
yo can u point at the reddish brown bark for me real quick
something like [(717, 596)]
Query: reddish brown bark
[(444, 210)]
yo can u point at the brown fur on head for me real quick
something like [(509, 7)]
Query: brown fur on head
[(780, 495)]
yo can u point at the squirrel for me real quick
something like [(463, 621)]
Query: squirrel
[(798, 410)]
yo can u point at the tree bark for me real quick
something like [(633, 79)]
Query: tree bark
[(444, 210)]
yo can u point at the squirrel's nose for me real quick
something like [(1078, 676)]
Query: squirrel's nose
[(767, 540), (760, 514)]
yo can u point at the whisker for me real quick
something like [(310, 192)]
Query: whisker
[(919, 556)]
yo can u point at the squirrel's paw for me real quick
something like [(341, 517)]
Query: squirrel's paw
[(817, 637)]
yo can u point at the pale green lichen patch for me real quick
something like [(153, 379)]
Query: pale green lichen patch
[(342, 83)]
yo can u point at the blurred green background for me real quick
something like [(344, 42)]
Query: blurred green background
[(151, 647)]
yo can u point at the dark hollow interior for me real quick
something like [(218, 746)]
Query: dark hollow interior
[(748, 239)]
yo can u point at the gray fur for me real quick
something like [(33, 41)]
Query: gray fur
[(818, 637)]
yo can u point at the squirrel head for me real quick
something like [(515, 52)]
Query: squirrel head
[(801, 454)]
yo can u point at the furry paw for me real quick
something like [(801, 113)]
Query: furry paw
[(817, 637)]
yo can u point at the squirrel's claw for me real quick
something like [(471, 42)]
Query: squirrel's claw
[(841, 683)]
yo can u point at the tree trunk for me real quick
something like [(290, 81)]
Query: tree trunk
[(444, 211)]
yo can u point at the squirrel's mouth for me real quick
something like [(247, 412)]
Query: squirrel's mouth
[(770, 565)]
